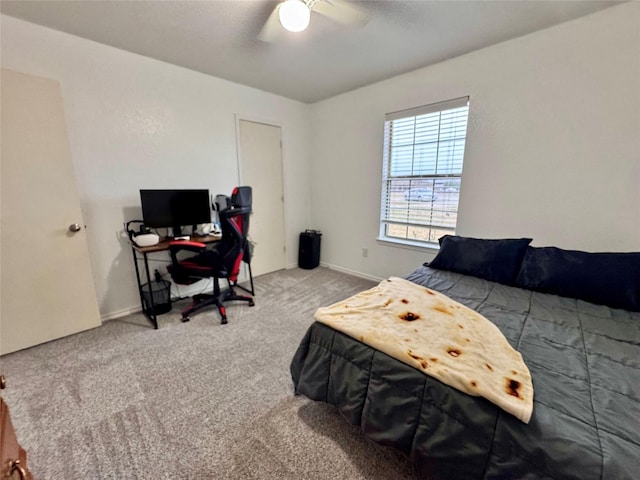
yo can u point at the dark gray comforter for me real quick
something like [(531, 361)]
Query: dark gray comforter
[(585, 364)]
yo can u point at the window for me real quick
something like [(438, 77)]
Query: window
[(423, 156)]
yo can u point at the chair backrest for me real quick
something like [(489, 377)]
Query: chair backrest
[(234, 222), (242, 197)]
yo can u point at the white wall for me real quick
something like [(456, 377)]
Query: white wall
[(553, 147), (134, 123)]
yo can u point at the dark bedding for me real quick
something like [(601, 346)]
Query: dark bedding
[(585, 364)]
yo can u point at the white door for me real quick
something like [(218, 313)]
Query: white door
[(261, 168), (47, 290)]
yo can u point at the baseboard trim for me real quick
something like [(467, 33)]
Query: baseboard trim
[(351, 272), (128, 311), (120, 313)]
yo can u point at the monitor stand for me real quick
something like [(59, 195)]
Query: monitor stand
[(177, 234)]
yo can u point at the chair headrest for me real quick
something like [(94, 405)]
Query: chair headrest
[(241, 197)]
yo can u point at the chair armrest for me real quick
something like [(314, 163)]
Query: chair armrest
[(178, 245)]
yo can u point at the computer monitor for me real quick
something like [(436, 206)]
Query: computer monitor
[(175, 208)]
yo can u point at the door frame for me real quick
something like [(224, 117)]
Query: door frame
[(272, 123)]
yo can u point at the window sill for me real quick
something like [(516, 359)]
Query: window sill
[(408, 244)]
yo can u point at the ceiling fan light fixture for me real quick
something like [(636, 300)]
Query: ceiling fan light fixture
[(294, 15)]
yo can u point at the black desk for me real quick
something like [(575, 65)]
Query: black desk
[(141, 253)]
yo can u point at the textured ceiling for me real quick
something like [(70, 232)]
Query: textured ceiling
[(220, 38)]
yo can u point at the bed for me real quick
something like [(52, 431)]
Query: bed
[(573, 316)]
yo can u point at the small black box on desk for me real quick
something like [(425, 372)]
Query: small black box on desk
[(309, 250)]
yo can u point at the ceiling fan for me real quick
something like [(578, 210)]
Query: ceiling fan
[(294, 15)]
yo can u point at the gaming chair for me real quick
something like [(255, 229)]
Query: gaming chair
[(221, 261)]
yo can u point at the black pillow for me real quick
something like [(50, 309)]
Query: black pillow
[(611, 279), (495, 260)]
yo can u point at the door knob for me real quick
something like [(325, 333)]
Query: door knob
[(74, 227)]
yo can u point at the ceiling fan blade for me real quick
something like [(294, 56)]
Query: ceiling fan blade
[(272, 28), (347, 13)]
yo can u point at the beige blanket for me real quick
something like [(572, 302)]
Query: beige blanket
[(439, 336)]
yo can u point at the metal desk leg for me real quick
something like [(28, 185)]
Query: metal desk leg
[(152, 313), (251, 279), (149, 312), (252, 291)]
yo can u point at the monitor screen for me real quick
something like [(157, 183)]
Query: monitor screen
[(175, 208)]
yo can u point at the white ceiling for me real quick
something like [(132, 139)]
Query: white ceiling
[(219, 37)]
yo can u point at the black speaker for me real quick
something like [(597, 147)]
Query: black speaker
[(309, 250)]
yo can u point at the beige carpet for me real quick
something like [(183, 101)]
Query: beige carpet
[(298, 438), (196, 400)]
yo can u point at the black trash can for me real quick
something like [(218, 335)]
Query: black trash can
[(309, 249), (160, 292)]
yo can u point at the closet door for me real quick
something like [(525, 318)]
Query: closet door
[(260, 151), (47, 289)]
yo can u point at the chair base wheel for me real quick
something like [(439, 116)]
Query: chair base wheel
[(251, 304), (223, 321), (185, 319)]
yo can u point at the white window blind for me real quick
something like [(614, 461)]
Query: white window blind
[(422, 168)]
